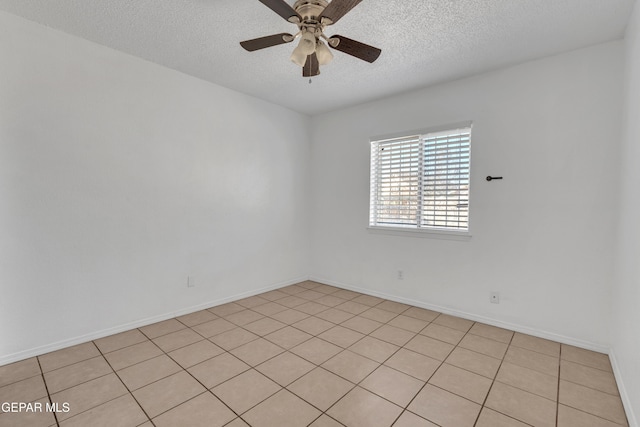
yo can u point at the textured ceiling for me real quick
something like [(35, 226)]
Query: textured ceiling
[(423, 42)]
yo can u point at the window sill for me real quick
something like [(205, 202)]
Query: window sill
[(424, 233)]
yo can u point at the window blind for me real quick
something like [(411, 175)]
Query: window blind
[(421, 181)]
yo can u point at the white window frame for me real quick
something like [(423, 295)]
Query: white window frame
[(417, 227)]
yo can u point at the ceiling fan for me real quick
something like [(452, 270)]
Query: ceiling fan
[(312, 17)]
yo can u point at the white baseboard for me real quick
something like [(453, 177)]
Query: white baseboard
[(58, 345), (147, 321), (626, 400), (470, 316)]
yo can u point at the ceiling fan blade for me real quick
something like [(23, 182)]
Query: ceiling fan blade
[(337, 9), (355, 48), (282, 8), (311, 67), (268, 41)]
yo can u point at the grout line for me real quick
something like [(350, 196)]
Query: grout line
[(589, 366), (590, 388), (138, 363), (164, 334), (46, 387), (103, 403), (83, 382), (594, 415), (558, 390), (126, 346), (493, 381)]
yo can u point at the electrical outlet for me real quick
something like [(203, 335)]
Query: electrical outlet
[(191, 282), (494, 297), (400, 275)]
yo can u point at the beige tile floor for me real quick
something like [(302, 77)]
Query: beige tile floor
[(315, 355)]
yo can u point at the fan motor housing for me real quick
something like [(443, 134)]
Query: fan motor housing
[(310, 10)]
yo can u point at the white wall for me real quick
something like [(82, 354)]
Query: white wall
[(626, 294), (119, 178), (543, 237)]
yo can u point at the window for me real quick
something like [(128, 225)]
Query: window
[(421, 181)]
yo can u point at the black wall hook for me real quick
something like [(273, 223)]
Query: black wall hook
[(491, 178)]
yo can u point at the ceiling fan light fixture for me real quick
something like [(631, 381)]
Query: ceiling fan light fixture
[(307, 42), (311, 17), (298, 57), (324, 54)]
